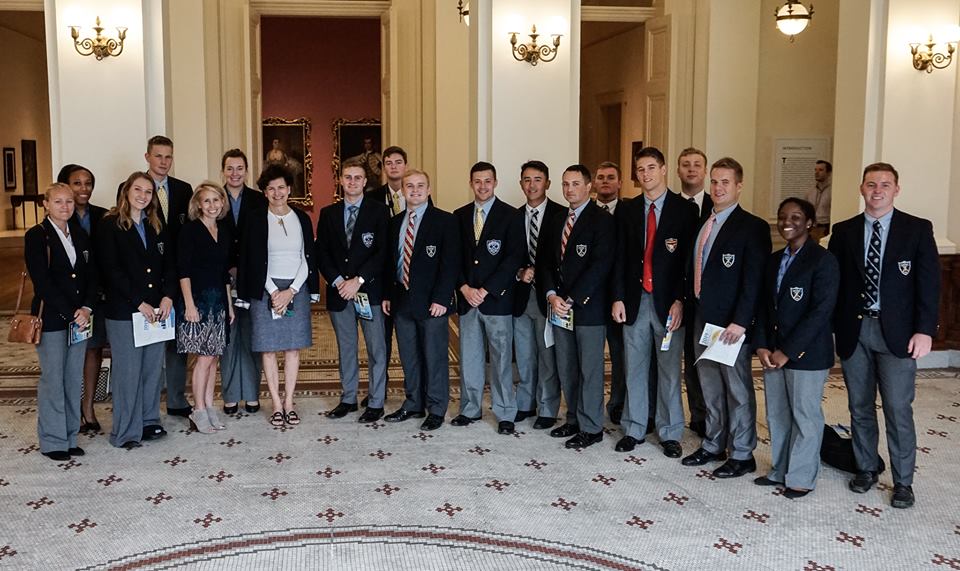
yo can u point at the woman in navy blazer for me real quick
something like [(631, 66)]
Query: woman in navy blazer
[(795, 346), (139, 276), (58, 259)]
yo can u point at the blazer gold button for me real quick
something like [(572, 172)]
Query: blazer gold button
[(73, 276), (149, 270), (476, 262), (149, 285), (859, 317)]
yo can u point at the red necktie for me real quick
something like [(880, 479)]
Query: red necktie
[(648, 249), (408, 248), (698, 264), (567, 229)]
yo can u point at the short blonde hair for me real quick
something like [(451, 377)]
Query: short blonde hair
[(193, 210), (414, 172), (55, 187)]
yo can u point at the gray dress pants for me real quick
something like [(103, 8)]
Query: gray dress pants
[(345, 323), (239, 366), (136, 375), (795, 418), (58, 391), (425, 356), (580, 367), (536, 363), (479, 332)]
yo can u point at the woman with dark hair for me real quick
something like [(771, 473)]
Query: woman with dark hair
[(58, 259), (88, 216), (139, 276), (276, 268), (794, 342), (205, 310), (239, 366)]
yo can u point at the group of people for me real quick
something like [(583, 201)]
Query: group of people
[(657, 279)]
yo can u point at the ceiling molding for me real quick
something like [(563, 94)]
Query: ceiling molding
[(616, 14), (22, 5), (326, 8)]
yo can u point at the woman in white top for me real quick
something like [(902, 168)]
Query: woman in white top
[(276, 276)]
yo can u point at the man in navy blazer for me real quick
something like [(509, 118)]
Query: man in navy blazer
[(573, 265), (351, 248), (885, 320), (726, 268), (491, 251), (424, 260), (654, 236)]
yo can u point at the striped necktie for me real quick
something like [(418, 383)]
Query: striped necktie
[(164, 201), (701, 246), (873, 266), (534, 236), (351, 222), (408, 248), (567, 229)]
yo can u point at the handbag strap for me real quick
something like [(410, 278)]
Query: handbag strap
[(23, 279)]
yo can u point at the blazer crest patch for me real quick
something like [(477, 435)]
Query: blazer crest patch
[(796, 293), (160, 247), (728, 260), (904, 267), (493, 247), (671, 244), (367, 238), (86, 256), (431, 251), (581, 250), (183, 218)]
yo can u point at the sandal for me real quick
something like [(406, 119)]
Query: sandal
[(292, 418), (277, 418)]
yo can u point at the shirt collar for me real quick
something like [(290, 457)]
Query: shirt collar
[(578, 211), (347, 203), (612, 205), (659, 201), (538, 208), (721, 217), (420, 210), (884, 220), (485, 206)]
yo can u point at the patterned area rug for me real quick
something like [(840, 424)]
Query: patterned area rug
[(335, 494)]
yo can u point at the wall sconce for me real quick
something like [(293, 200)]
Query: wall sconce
[(532, 53), (464, 11), (928, 60), (100, 46), (793, 17)]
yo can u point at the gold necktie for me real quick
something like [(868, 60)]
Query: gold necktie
[(477, 224), (162, 196)]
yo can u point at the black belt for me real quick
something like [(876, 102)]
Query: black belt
[(874, 313)]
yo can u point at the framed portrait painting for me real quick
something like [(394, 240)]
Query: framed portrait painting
[(359, 140), (9, 168), (287, 142)]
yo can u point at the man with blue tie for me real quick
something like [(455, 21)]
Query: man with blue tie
[(885, 320)]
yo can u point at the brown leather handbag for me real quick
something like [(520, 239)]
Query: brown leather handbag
[(25, 328)]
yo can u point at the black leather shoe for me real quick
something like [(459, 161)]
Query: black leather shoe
[(544, 422), (342, 409), (565, 430), (252, 408), (403, 414), (433, 422), (153, 432), (365, 402), (371, 415), (862, 482), (765, 481), (616, 413), (735, 468), (699, 427), (232, 409), (461, 420), (794, 494), (57, 455), (524, 415), (701, 457), (583, 440), (672, 449), (130, 445), (184, 412), (505, 427), (76, 451), (902, 496), (627, 444)]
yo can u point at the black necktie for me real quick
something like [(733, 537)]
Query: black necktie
[(873, 266)]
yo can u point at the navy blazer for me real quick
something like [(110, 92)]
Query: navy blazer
[(521, 291), (493, 261), (96, 214), (733, 273), (672, 242), (909, 282), (252, 264), (581, 274), (794, 320), (250, 200), (64, 288), (433, 266), (178, 202), (364, 256), (131, 273)]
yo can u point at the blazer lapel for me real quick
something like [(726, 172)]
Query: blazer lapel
[(340, 226), (796, 267)]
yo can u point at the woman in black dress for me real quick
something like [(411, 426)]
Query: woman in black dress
[(203, 266)]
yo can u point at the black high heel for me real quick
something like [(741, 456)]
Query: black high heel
[(252, 408), (88, 426), (232, 409)]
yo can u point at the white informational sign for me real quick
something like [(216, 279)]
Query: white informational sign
[(793, 164)]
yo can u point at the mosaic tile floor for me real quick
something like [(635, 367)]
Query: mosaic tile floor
[(335, 494)]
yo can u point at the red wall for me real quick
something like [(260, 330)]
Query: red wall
[(323, 69)]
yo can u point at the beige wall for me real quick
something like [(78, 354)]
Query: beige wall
[(796, 92), (24, 100), (453, 112)]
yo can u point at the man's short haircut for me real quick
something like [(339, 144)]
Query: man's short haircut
[(583, 170), (729, 163), (352, 163), (483, 166), (158, 141), (610, 165), (394, 150), (809, 210), (826, 165), (691, 151), (273, 172), (233, 154), (651, 153), (536, 165), (881, 167), (414, 172)]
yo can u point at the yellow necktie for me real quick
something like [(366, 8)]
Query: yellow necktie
[(477, 224), (162, 196)]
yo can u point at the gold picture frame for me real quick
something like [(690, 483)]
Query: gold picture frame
[(287, 142), (348, 142)]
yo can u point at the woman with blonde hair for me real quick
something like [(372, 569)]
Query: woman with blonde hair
[(203, 263), (57, 255), (139, 276)]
